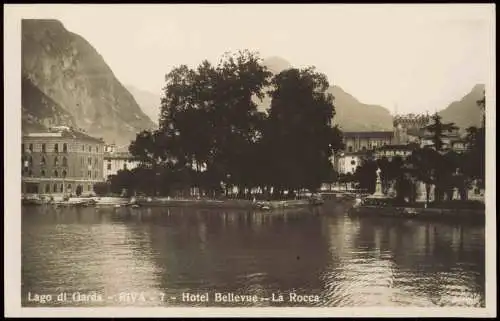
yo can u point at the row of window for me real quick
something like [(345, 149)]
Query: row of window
[(56, 148), (28, 161), (56, 173), (59, 188)]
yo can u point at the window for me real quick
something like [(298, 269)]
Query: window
[(96, 174), (89, 188), (363, 149), (55, 188), (62, 188), (90, 174), (56, 148), (125, 166), (90, 149), (97, 149), (63, 173), (56, 161), (65, 161), (89, 160), (109, 166), (43, 148), (353, 162), (47, 188), (43, 161), (56, 174), (350, 148), (65, 148), (83, 148), (42, 173), (82, 161), (31, 147), (69, 187)]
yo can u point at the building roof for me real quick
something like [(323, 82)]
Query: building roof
[(64, 132), (373, 134)]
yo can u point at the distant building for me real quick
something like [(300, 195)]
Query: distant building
[(366, 141), (348, 162), (391, 151), (115, 161), (59, 160)]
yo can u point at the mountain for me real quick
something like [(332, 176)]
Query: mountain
[(148, 101), (351, 115), (465, 112), (40, 111), (67, 82)]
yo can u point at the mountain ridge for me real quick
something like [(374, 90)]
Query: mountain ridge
[(66, 68)]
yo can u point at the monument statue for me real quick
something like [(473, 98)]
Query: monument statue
[(378, 185)]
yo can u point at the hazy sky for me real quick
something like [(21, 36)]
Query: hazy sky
[(414, 56)]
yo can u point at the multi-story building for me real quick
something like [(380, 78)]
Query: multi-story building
[(366, 141), (117, 160), (60, 161)]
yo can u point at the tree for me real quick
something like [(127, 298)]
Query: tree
[(423, 164), (79, 190), (366, 175), (299, 136), (101, 188), (439, 130)]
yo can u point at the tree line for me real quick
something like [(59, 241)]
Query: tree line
[(435, 165), (213, 137)]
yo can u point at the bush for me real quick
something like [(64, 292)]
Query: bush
[(101, 188)]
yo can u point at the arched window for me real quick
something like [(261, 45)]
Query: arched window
[(55, 188), (56, 174), (42, 173), (47, 188), (62, 188), (56, 161), (56, 148), (65, 148), (363, 149), (63, 173), (69, 187), (65, 161)]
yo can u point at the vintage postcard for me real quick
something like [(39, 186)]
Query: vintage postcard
[(249, 160)]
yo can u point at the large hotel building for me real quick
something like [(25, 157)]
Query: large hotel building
[(61, 161)]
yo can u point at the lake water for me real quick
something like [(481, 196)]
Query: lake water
[(180, 257)]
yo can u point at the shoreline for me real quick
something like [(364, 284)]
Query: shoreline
[(476, 215)]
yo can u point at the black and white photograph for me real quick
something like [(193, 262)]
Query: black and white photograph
[(250, 160)]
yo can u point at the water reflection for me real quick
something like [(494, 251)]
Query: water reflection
[(345, 261)]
